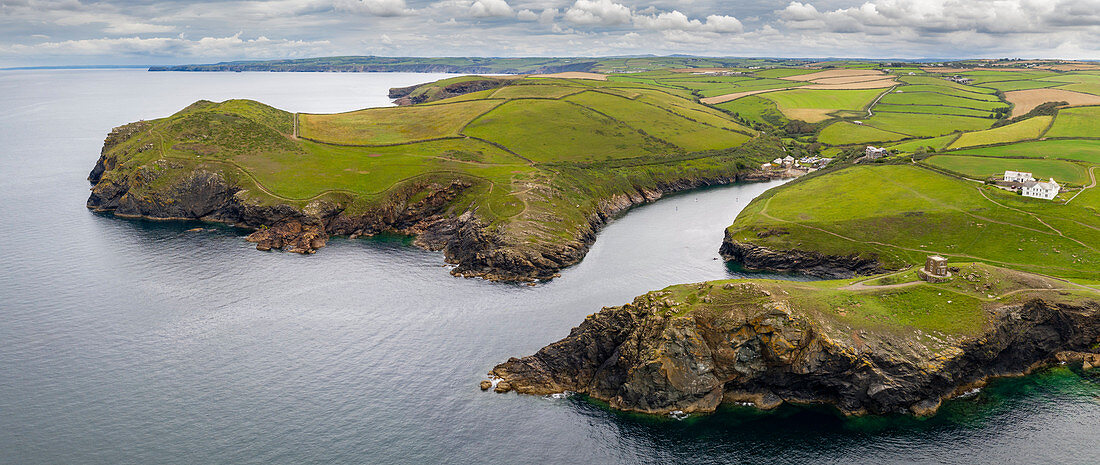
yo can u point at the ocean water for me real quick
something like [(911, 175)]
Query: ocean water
[(126, 341)]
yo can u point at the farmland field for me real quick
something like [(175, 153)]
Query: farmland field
[(793, 103), (1076, 122), (932, 98), (984, 167), (546, 130), (937, 143), (930, 110), (925, 125), (1068, 149), (1030, 128), (1025, 100), (842, 132), (394, 125)]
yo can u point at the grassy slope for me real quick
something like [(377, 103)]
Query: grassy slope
[(984, 167), (902, 213), (1030, 128)]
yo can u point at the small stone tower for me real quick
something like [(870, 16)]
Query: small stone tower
[(935, 269)]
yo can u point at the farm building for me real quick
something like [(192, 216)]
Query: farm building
[(873, 152), (1040, 190), (1018, 176)]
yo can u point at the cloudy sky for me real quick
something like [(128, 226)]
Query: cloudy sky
[(57, 32)]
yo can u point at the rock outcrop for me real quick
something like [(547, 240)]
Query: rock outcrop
[(649, 356), (755, 257)]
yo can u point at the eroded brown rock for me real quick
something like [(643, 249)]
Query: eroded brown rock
[(640, 357)]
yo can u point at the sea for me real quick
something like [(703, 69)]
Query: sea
[(142, 342)]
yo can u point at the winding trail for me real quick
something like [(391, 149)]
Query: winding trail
[(880, 96), (1092, 175)]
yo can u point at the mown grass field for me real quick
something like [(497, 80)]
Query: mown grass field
[(815, 105), (1068, 149), (1076, 122), (842, 133), (377, 126), (985, 167), (925, 126), (1030, 128)]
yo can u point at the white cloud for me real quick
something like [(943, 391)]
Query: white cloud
[(527, 15), (385, 8), (231, 46), (945, 16), (598, 12), (675, 20), (488, 8)]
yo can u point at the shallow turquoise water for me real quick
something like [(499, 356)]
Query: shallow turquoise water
[(140, 342)]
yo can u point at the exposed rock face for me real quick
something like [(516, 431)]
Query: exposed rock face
[(756, 257), (642, 357)]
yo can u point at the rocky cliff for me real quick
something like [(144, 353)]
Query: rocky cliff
[(755, 257), (692, 347)]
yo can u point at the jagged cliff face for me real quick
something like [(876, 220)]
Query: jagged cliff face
[(645, 357)]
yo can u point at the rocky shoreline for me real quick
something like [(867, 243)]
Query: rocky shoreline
[(643, 357), (755, 257), (476, 249)]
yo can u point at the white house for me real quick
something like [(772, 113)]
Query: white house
[(788, 160), (1040, 190), (1018, 176), (875, 152)]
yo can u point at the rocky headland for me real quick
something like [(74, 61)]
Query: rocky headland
[(180, 189), (690, 348)]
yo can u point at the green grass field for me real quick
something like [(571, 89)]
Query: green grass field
[(1076, 122), (841, 133), (1067, 149), (1030, 128), (984, 167), (550, 130), (660, 123), (925, 125), (967, 92), (755, 109), (376, 126), (930, 110), (900, 214), (933, 98), (793, 102), (937, 143), (536, 91)]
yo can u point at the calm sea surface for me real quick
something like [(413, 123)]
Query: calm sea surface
[(139, 342)]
